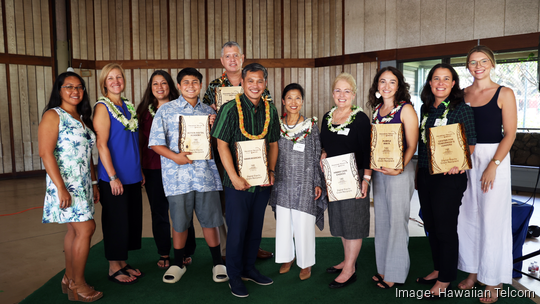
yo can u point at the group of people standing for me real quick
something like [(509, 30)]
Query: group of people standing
[(467, 216)]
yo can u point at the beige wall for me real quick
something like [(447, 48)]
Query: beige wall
[(372, 25)]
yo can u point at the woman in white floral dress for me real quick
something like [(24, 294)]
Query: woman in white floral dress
[(65, 145)]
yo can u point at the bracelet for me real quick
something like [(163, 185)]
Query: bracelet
[(367, 181), (272, 171), (367, 177), (113, 177), (94, 182)]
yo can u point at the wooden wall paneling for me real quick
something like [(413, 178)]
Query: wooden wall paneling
[(105, 29), (326, 29), (301, 79), (320, 29), (301, 29), (263, 41), (5, 142), (249, 29), (232, 23), (33, 114), (42, 82), (276, 95), (294, 28), (156, 29), (194, 31), (137, 84), (180, 30), (339, 28), (333, 28), (173, 19), (187, 30), (83, 33), (218, 40), (277, 29), (115, 28), (286, 76), (28, 27), (93, 90), (128, 90), (225, 21), (126, 21), (19, 25), (321, 92), (16, 117), (271, 84), (308, 93), (270, 29), (212, 45), (308, 45), (256, 44), (294, 76), (46, 28), (25, 117), (315, 29), (239, 23), (90, 29), (148, 27), (10, 27), (287, 32), (366, 85), (202, 30), (98, 29), (75, 39), (164, 30), (138, 21), (2, 50)]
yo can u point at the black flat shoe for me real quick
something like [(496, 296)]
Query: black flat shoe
[(335, 270), (426, 282), (335, 284)]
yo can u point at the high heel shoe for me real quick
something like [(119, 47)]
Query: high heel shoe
[(305, 273), (65, 284), (74, 295), (285, 267)]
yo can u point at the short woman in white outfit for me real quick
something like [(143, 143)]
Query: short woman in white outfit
[(485, 217)]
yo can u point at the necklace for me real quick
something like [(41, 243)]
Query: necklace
[(287, 125), (241, 118), (131, 124), (425, 117), (352, 116), (304, 129), (390, 115)]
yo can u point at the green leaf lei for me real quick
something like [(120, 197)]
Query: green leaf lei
[(131, 124)]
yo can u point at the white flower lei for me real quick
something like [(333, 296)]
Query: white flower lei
[(132, 124), (424, 120), (305, 128), (151, 111), (355, 110), (388, 117)]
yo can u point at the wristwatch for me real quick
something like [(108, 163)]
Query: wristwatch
[(496, 161), (111, 178)]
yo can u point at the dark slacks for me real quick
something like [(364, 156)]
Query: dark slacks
[(159, 207), (121, 220), (245, 217), (440, 197)]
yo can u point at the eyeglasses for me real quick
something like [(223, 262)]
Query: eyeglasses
[(483, 62), (345, 92), (71, 88)]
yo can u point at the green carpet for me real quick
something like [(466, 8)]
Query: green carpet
[(197, 286)]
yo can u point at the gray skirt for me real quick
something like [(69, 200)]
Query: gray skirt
[(349, 218)]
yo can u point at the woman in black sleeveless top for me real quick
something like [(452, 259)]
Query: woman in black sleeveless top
[(485, 222)]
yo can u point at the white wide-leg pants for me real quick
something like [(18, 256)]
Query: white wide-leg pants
[(300, 225)]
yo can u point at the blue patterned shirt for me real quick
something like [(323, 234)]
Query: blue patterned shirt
[(202, 175)]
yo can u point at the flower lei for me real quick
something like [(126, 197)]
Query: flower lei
[(425, 117), (151, 111), (222, 79), (388, 117), (352, 116), (131, 124), (241, 118), (305, 130)]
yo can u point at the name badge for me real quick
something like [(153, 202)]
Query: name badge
[(299, 147), (441, 122), (344, 132)]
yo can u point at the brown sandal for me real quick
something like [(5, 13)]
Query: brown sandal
[(74, 295)]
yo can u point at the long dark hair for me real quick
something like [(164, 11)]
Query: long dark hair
[(83, 108), (149, 98), (402, 92), (456, 94)]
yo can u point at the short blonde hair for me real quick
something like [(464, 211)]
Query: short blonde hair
[(103, 75), (348, 78), (481, 49)]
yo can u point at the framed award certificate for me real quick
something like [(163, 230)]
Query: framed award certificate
[(342, 179), (194, 136), (447, 147), (252, 162), (224, 94), (387, 146)]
